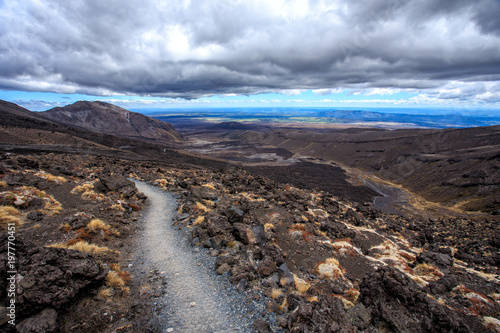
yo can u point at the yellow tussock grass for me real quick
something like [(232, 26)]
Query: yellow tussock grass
[(83, 188), (201, 207), (51, 178), (427, 272), (491, 323), (330, 269), (9, 216), (98, 224), (283, 304), (117, 207), (301, 285), (312, 299), (276, 292), (209, 185), (347, 303), (352, 295), (161, 181), (86, 247), (199, 220), (105, 292), (52, 206), (268, 227), (114, 280)]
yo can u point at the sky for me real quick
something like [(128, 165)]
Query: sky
[(189, 53)]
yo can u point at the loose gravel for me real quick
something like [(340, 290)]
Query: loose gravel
[(196, 299)]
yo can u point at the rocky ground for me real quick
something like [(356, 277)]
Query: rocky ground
[(324, 264)]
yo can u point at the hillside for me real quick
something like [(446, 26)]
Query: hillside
[(111, 119), (457, 167)]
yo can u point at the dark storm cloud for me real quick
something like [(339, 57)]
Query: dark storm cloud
[(193, 48)]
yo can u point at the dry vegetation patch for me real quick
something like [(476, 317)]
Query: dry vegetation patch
[(10, 216)]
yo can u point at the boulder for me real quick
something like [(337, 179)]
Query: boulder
[(116, 183), (396, 300), (43, 322), (49, 277), (267, 267)]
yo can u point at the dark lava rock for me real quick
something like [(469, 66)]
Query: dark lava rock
[(285, 275), (43, 322), (325, 315), (394, 299), (242, 285), (445, 284), (48, 277), (359, 316), (337, 229), (77, 221), (439, 259), (259, 232), (35, 215), (234, 214), (148, 325), (27, 163), (116, 183), (261, 326), (203, 193), (267, 267), (271, 250)]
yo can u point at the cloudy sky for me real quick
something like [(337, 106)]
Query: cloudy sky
[(157, 53)]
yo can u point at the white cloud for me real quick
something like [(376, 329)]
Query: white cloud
[(192, 49)]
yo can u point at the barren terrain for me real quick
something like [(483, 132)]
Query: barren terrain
[(299, 238)]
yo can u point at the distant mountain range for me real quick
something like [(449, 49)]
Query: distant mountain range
[(402, 118)]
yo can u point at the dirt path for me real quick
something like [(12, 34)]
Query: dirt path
[(195, 299)]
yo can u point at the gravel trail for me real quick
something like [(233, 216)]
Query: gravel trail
[(196, 299)]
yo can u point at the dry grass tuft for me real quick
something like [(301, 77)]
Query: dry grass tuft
[(312, 299), (162, 182), (87, 191), (96, 225), (352, 295), (276, 292), (428, 272), (85, 247), (199, 220), (117, 207), (9, 216), (284, 304), (52, 206), (269, 227), (347, 303), (209, 185), (105, 292), (83, 188), (330, 269), (51, 178), (66, 227), (491, 323), (231, 243), (114, 280), (201, 208), (301, 285)]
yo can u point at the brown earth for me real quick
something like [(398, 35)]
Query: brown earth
[(326, 264)]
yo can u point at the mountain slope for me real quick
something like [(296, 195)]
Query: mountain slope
[(457, 167), (111, 119)]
